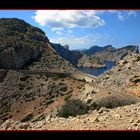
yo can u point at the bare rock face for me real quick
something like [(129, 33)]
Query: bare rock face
[(112, 54), (19, 43), (90, 61), (125, 77), (9, 58), (109, 53)]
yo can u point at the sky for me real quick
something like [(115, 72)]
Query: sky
[(81, 29)]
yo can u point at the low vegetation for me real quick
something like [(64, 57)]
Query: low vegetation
[(24, 78), (111, 101), (72, 108), (27, 117), (138, 58), (67, 97), (136, 81)]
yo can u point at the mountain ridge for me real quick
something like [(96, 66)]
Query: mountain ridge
[(40, 88)]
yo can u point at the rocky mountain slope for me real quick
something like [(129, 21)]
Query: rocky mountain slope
[(37, 92), (90, 61), (50, 61), (121, 118), (71, 56), (92, 50), (111, 54), (26, 92), (44, 101), (20, 43), (27, 51), (125, 76), (95, 55)]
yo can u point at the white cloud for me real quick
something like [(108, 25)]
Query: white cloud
[(121, 17), (132, 13), (59, 33), (69, 31), (81, 42), (68, 18), (123, 14), (113, 11), (57, 29)]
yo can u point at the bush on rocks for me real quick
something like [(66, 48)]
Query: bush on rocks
[(72, 108), (111, 101)]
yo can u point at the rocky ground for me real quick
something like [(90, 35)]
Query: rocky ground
[(50, 61), (125, 77), (121, 118), (24, 92), (36, 90), (37, 97)]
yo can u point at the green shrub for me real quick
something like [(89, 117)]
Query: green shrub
[(63, 87), (81, 80), (119, 69), (49, 102), (135, 76), (28, 88), (72, 108), (21, 86), (67, 97), (57, 76), (138, 58), (136, 81), (27, 117), (125, 62), (111, 101), (93, 92), (89, 101), (24, 78)]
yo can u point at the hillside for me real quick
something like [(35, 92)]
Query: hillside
[(19, 43), (94, 49), (101, 103), (121, 118), (41, 89), (28, 66), (90, 61), (125, 76), (71, 56), (109, 53), (95, 55)]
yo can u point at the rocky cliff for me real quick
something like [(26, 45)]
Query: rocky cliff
[(63, 51), (40, 94), (20, 43), (92, 50), (125, 77), (109, 53), (90, 61), (112, 54)]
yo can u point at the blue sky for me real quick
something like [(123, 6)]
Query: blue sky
[(84, 28)]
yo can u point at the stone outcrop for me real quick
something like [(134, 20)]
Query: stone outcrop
[(63, 51), (90, 61), (94, 49), (109, 53), (112, 54), (20, 43), (125, 77)]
